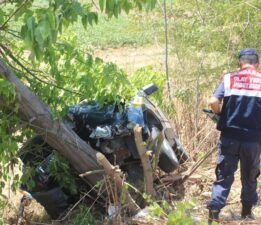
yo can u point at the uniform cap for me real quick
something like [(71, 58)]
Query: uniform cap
[(248, 51)]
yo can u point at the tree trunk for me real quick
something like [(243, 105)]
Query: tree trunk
[(147, 169), (38, 116)]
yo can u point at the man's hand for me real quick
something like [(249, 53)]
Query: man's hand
[(215, 105)]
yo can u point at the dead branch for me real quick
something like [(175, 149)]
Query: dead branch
[(173, 178), (91, 173), (198, 163), (115, 211), (147, 169), (166, 48), (115, 176), (182, 177)]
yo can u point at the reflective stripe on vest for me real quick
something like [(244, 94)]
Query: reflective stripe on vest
[(246, 82)]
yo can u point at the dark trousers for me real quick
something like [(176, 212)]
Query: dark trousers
[(230, 152)]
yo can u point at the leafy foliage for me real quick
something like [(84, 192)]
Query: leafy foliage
[(84, 216), (147, 75), (28, 175), (181, 215), (206, 37), (2, 222), (43, 24), (217, 26), (7, 90), (35, 43), (88, 78), (60, 169), (9, 124), (57, 169)]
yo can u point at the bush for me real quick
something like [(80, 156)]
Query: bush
[(147, 75), (84, 217)]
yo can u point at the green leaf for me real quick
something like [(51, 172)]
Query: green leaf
[(127, 6), (92, 17), (111, 4), (116, 11), (28, 42), (53, 36), (151, 4), (171, 218), (7, 90), (77, 8), (38, 36), (24, 31), (84, 21), (44, 28), (30, 22), (101, 4), (2, 16), (51, 19)]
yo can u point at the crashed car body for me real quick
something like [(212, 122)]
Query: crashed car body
[(109, 129)]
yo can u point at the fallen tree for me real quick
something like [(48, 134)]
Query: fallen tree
[(32, 44), (56, 133)]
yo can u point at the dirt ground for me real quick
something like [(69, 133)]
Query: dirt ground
[(35, 212), (199, 187), (131, 59)]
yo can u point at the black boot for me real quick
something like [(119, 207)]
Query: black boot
[(213, 215), (246, 212)]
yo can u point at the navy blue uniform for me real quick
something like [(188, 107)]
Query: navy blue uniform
[(240, 139)]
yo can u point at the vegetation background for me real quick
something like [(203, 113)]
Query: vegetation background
[(56, 57)]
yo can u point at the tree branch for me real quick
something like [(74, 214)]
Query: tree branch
[(166, 47), (13, 34), (184, 176), (13, 14), (10, 54)]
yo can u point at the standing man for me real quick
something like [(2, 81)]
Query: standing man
[(240, 139)]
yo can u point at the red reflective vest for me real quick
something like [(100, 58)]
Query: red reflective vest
[(241, 110)]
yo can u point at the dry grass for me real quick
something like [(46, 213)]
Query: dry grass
[(200, 188)]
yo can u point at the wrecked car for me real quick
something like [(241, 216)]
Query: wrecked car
[(109, 130)]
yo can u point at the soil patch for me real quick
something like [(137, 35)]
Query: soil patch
[(130, 58)]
